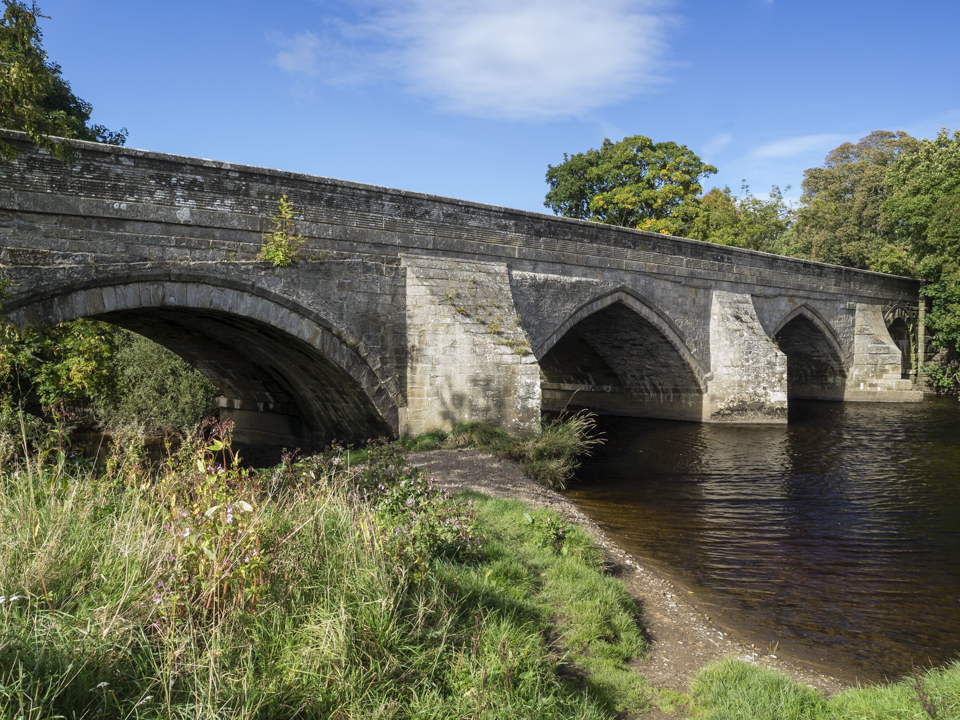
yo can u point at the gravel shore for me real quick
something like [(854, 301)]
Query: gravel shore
[(683, 639)]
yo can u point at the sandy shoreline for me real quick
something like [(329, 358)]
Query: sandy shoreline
[(683, 639)]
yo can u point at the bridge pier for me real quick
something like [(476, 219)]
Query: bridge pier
[(875, 373), (748, 379), (468, 359)]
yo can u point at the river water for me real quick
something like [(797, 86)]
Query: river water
[(834, 538)]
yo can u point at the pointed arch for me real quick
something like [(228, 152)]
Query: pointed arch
[(816, 362), (643, 308), (618, 354), (811, 314), (898, 311)]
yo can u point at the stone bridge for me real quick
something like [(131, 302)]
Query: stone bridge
[(408, 312)]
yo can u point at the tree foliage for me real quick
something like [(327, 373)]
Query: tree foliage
[(70, 364), (746, 221), (34, 97), (633, 183), (116, 376), (923, 212), (840, 221)]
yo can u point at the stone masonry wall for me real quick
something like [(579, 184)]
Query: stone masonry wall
[(469, 360)]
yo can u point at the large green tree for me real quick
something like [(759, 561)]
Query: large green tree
[(746, 221), (634, 183), (840, 220), (34, 97), (923, 212), (99, 368)]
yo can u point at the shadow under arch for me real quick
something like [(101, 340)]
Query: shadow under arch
[(617, 354), (286, 376), (816, 367)]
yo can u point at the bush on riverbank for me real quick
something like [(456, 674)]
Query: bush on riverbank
[(97, 375), (550, 457), (203, 590), (732, 689)]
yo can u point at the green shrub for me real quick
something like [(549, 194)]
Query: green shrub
[(281, 247), (550, 457), (155, 389), (87, 366)]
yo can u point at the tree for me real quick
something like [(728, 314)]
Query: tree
[(923, 212), (840, 221), (34, 97), (746, 221), (633, 183)]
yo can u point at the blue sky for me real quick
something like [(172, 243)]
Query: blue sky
[(475, 99)]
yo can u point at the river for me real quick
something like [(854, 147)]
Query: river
[(834, 538)]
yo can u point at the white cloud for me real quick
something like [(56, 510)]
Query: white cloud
[(299, 55), (526, 59), (800, 145), (716, 145)]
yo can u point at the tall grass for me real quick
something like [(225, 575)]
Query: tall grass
[(120, 613), (550, 457)]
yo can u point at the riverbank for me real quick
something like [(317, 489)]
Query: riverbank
[(683, 638)]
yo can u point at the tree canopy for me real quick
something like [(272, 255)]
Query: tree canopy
[(840, 221), (746, 221), (923, 211), (633, 183), (34, 97)]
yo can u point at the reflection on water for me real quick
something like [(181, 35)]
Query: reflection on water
[(837, 535)]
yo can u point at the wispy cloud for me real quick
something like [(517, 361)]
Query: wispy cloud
[(521, 59), (800, 145), (299, 55), (716, 145)]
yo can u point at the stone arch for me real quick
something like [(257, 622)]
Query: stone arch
[(901, 325), (897, 311), (618, 354), (816, 362), (286, 375)]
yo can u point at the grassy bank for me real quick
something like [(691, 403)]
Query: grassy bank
[(734, 689), (202, 590), (198, 589)]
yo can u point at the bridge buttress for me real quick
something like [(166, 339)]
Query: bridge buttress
[(468, 359), (874, 374), (748, 379)]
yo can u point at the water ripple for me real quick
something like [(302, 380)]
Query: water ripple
[(838, 533)]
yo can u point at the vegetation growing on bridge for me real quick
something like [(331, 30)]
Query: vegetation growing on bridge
[(282, 246)]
